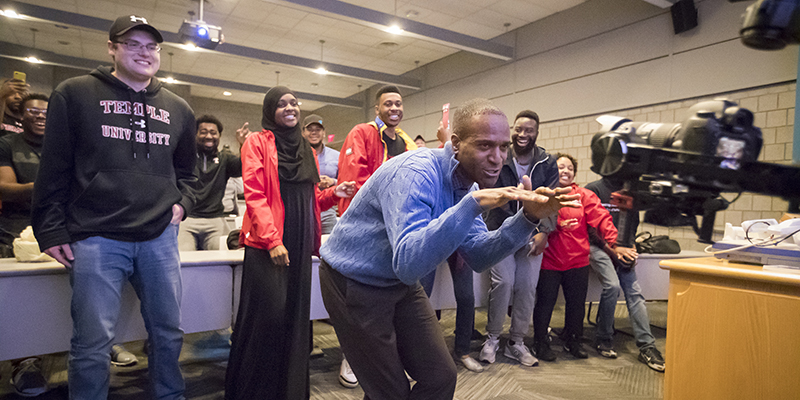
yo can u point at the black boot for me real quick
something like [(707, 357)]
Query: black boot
[(543, 351), (573, 346)]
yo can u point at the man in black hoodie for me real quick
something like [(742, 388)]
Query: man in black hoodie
[(206, 223), (516, 275), (116, 179)]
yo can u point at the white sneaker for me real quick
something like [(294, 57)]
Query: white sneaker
[(520, 352), (471, 364), (346, 376), (489, 349)]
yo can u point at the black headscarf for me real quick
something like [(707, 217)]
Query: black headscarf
[(295, 158)]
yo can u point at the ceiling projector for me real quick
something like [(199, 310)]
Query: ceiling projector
[(201, 34)]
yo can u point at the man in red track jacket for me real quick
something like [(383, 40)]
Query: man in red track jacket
[(368, 145)]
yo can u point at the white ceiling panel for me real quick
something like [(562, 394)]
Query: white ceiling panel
[(288, 29)]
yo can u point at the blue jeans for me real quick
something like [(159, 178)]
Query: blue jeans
[(98, 274), (465, 301), (612, 281)]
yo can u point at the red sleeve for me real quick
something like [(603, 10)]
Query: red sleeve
[(354, 161), (260, 191), (598, 217), (325, 198)]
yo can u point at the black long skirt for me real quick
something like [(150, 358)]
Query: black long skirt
[(270, 341)]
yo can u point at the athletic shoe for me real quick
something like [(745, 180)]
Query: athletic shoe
[(121, 357), (575, 348), (489, 349), (27, 378), (471, 364), (653, 358), (518, 351), (606, 348), (543, 351), (346, 376)]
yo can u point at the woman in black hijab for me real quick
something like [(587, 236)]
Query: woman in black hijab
[(280, 232)]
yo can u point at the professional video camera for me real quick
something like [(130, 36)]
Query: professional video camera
[(679, 170)]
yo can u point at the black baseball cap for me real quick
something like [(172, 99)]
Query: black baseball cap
[(127, 22)]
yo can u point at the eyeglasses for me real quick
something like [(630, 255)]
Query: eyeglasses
[(37, 111), (133, 45)]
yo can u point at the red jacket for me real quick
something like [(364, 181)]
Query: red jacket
[(568, 244), (262, 226), (362, 153)]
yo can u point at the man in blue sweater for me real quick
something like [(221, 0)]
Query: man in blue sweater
[(415, 211)]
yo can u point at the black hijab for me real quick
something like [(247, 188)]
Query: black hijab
[(295, 158)]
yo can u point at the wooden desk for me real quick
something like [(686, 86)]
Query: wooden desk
[(733, 331)]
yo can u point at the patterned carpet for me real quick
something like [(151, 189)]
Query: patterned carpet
[(204, 359)]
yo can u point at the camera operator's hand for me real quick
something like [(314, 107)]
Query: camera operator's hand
[(547, 201)]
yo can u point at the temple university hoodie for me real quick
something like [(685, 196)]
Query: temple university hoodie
[(114, 161)]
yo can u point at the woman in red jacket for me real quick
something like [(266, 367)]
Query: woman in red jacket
[(566, 264), (280, 231)]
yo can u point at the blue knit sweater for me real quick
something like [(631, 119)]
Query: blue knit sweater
[(410, 215)]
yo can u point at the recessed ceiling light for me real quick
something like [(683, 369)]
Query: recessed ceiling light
[(226, 93), (388, 45), (394, 29), (11, 14), (33, 60), (321, 71), (169, 79), (412, 14), (191, 47), (299, 103)]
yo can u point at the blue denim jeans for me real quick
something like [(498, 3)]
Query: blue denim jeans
[(98, 274), (465, 301), (612, 281)]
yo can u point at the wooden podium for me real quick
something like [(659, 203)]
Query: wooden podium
[(733, 331)]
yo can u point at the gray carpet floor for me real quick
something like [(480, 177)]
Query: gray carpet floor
[(204, 358)]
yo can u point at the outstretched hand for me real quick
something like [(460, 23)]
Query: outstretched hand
[(498, 197), (546, 202), (345, 190)]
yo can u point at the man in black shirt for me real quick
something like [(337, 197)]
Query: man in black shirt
[(206, 222), (19, 164)]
